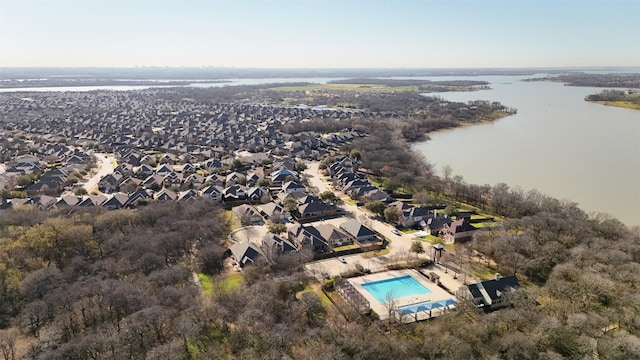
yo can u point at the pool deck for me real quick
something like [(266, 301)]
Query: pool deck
[(436, 294)]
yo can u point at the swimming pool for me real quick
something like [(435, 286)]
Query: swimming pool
[(425, 306), (402, 286)]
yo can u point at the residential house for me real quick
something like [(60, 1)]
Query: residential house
[(358, 232), (307, 236), (166, 195), (293, 186), (274, 244), (413, 216), (273, 212), (437, 225), (491, 294), (117, 201), (311, 210), (213, 192), (246, 253), (235, 193), (282, 175), (459, 230), (110, 183), (247, 214), (333, 236)]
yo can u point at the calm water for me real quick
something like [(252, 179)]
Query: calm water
[(557, 143)]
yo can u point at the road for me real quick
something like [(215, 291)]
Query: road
[(105, 167), (400, 247)]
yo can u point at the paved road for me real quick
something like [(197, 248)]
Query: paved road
[(2, 169), (400, 246), (105, 167)]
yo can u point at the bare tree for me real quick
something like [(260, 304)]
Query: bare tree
[(390, 304)]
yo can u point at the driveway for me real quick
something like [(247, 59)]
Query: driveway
[(105, 167), (250, 233)]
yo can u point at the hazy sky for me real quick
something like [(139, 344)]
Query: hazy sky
[(330, 33)]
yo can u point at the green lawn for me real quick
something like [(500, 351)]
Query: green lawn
[(324, 300), (346, 247), (205, 282), (232, 282)]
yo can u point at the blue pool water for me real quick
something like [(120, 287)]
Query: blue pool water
[(401, 287), (425, 306)]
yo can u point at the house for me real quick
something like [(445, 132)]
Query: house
[(164, 170), (188, 195), (247, 214), (110, 183), (93, 201), (281, 176), (437, 225), (138, 196), (117, 201), (213, 192), (358, 232), (143, 171), (293, 186), (215, 179), (276, 244), (235, 178), (246, 253), (459, 230), (315, 209), (166, 195), (273, 212), (307, 236), (258, 194), (414, 215), (333, 236), (188, 168), (235, 193), (67, 201), (490, 294)]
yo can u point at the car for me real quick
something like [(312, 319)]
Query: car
[(342, 260), (395, 231)]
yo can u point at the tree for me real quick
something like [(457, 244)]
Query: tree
[(390, 304), (391, 215), (329, 196), (417, 247), (277, 228), (376, 207), (290, 204)]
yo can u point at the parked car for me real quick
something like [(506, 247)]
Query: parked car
[(395, 231), (342, 260)]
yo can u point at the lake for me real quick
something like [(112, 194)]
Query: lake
[(557, 143)]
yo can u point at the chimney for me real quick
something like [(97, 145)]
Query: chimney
[(497, 276)]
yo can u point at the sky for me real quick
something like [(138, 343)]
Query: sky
[(320, 33)]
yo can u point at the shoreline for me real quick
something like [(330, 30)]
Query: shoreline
[(619, 104)]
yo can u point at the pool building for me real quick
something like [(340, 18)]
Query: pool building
[(412, 296)]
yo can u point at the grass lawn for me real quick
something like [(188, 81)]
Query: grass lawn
[(346, 247), (232, 282), (324, 300), (205, 282), (350, 201), (622, 104), (482, 271)]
